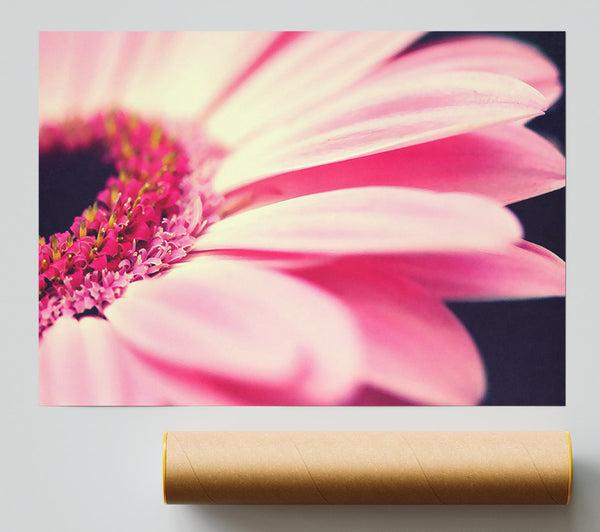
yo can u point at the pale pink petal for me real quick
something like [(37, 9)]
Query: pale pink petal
[(279, 260), (507, 162), (175, 73), (368, 220), (159, 383), (54, 50), (232, 320), (182, 73), (155, 384), (308, 70), (80, 367), (93, 59), (522, 271), (416, 347), (280, 41), (499, 55), (82, 72), (383, 116), (85, 363)]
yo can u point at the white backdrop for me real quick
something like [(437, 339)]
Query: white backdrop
[(97, 469)]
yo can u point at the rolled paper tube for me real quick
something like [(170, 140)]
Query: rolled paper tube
[(367, 467)]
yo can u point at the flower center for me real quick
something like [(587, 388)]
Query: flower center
[(152, 203)]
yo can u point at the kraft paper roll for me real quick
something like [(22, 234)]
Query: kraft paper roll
[(367, 467)]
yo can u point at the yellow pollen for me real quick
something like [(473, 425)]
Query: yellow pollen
[(127, 150), (144, 189), (133, 121), (135, 204), (112, 219), (156, 137), (114, 194), (42, 240), (54, 246), (90, 213), (82, 229), (101, 235), (169, 158)]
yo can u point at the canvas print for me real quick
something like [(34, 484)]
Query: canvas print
[(301, 218)]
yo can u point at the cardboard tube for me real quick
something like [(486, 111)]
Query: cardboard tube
[(367, 467)]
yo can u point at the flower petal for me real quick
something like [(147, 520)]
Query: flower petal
[(80, 367), (311, 68), (54, 50), (417, 349), (522, 271), (85, 363), (383, 116), (228, 319), (150, 72), (188, 60), (506, 162), (368, 220), (278, 43), (499, 55), (82, 72)]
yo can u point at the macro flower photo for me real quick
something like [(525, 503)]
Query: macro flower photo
[(301, 218)]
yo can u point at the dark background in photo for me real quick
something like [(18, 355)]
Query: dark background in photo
[(523, 342)]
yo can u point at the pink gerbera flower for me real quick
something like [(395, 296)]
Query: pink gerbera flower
[(282, 216)]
